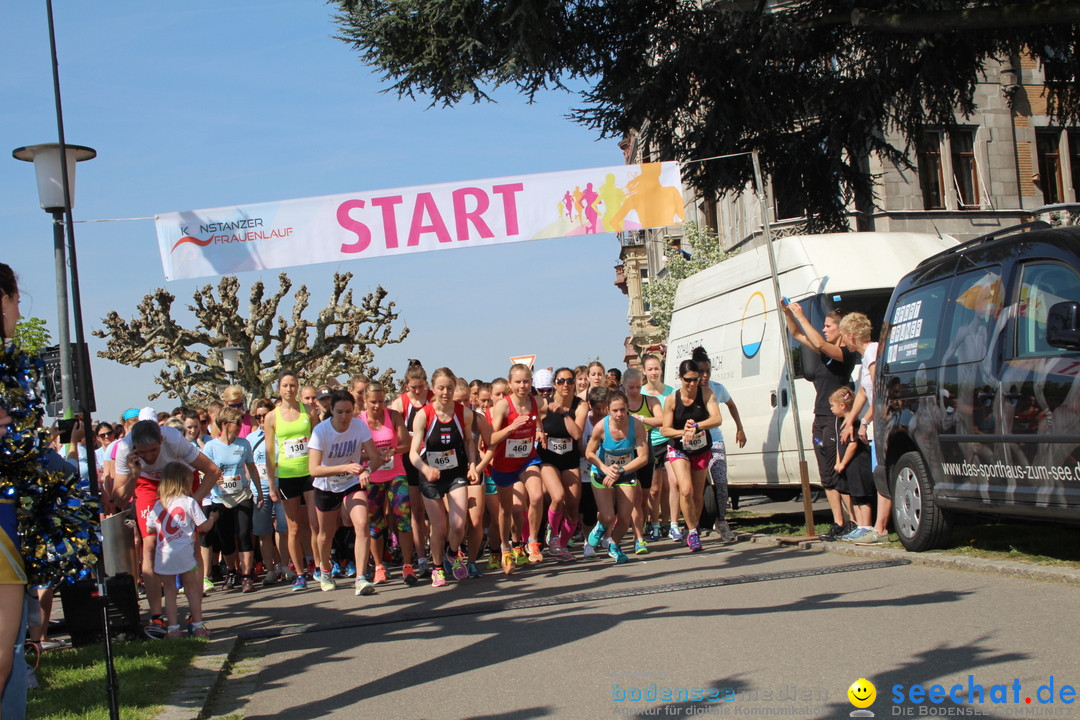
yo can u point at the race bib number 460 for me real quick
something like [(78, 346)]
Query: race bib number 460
[(520, 448)]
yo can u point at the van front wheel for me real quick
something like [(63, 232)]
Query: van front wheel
[(919, 522)]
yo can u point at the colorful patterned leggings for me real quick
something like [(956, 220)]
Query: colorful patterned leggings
[(397, 492)]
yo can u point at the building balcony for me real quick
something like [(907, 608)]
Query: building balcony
[(620, 278)]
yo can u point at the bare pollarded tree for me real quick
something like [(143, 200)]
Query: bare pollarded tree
[(340, 340)]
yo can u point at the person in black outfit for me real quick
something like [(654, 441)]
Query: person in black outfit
[(837, 363)]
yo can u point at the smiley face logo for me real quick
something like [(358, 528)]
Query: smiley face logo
[(862, 693)]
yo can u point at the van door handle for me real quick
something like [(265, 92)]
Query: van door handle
[(987, 395), (772, 398), (783, 398), (1011, 395)]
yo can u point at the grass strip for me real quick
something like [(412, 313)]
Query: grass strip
[(72, 681), (1037, 543)]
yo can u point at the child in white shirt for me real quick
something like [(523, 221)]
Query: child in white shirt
[(175, 518)]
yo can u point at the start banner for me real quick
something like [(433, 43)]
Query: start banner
[(333, 228)]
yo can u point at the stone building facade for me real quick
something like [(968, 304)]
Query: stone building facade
[(1005, 164)]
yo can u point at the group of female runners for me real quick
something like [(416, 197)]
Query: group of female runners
[(528, 461)]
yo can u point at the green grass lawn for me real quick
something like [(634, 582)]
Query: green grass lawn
[(73, 681), (1039, 543)]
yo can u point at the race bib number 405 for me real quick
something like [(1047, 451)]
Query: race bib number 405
[(699, 442)]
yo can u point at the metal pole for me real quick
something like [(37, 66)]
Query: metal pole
[(804, 475), (67, 386), (111, 680)]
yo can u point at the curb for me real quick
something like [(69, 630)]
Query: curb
[(1012, 568), (202, 680)]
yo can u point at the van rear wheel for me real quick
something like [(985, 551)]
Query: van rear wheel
[(919, 522)]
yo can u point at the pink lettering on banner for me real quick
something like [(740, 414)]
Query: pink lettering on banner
[(425, 205), (509, 204), (389, 218), (363, 235), (463, 216)]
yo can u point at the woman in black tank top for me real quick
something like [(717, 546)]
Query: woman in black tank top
[(688, 415), (561, 458)]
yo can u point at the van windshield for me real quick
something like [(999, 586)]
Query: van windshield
[(872, 303)]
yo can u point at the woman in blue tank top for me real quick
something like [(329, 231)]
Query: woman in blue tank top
[(618, 447)]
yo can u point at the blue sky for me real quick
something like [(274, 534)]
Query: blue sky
[(205, 104)]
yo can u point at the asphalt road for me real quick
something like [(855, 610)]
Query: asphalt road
[(763, 631)]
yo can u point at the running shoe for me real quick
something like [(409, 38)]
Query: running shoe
[(493, 560), (560, 553), (231, 581), (640, 547), (520, 558), (458, 567), (173, 633), (615, 553), (363, 587), (380, 575), (299, 583), (326, 582), (438, 578), (246, 585), (535, 555), (693, 541), (207, 585), (289, 574), (408, 575), (834, 532), (157, 629), (721, 528), (508, 564), (270, 577), (311, 569), (596, 535), (654, 534), (259, 569), (423, 567), (350, 569), (856, 534), (474, 571), (588, 550), (316, 574), (675, 532), (336, 571), (200, 631), (873, 538), (547, 536)]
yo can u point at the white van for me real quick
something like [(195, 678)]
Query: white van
[(730, 310)]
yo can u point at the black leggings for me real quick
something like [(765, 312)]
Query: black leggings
[(233, 527)]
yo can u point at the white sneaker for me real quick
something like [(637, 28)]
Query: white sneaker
[(326, 582), (363, 587), (588, 550)]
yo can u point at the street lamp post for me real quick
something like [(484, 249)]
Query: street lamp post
[(230, 361), (50, 180)]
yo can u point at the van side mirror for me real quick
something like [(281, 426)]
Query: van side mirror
[(1063, 326)]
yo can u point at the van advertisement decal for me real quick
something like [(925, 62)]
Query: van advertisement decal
[(907, 324), (752, 334), (1007, 471)]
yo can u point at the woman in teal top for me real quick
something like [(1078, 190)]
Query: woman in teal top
[(617, 449), (662, 491)]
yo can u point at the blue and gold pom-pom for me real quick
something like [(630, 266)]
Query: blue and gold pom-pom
[(57, 522)]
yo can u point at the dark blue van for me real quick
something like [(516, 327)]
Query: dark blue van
[(977, 390)]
